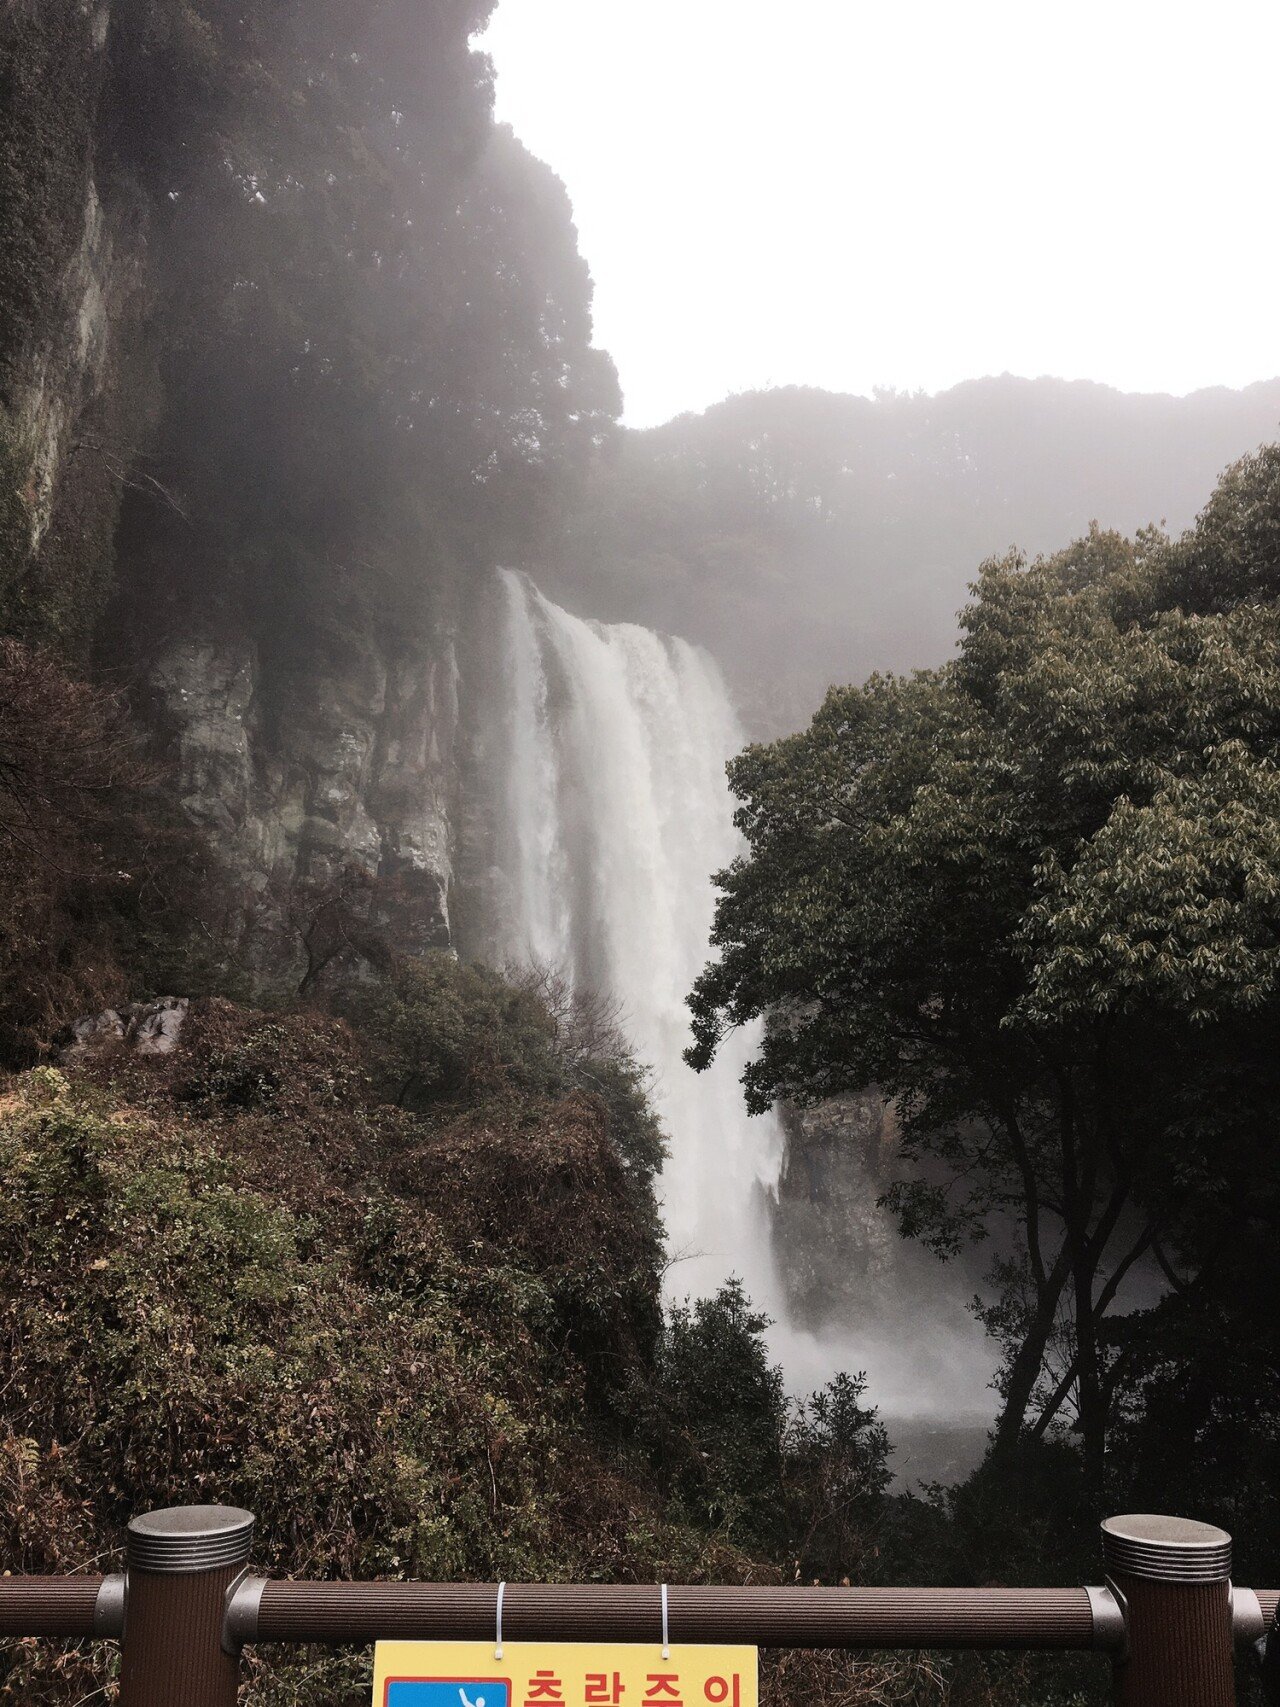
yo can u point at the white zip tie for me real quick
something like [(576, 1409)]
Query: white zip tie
[(666, 1646), (497, 1651)]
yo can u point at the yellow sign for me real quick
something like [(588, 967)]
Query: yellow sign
[(562, 1674)]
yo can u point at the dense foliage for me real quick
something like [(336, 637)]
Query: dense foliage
[(1035, 896), (240, 1271), (361, 366), (799, 1482), (416, 1342), (376, 363)]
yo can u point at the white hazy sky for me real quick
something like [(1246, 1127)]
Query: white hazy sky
[(912, 192)]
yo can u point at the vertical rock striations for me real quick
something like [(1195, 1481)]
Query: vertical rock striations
[(325, 780)]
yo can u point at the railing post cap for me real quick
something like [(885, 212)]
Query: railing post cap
[(183, 1538), (1166, 1549)]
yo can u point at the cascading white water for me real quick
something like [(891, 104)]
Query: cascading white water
[(615, 814)]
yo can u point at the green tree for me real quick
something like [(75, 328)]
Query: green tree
[(836, 1475), (374, 323), (802, 1480), (720, 1416), (1034, 896)]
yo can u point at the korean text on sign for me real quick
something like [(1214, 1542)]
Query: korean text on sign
[(562, 1674)]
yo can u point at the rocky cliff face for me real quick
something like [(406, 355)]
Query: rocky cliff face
[(295, 346), (873, 1300), (75, 386), (326, 783), (321, 768), (69, 371), (836, 1250)]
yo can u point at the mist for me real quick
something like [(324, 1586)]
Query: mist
[(640, 759), (810, 538)]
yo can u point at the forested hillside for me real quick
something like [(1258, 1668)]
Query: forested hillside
[(810, 538), (298, 1207), (391, 1281), (275, 281), (296, 351), (296, 348)]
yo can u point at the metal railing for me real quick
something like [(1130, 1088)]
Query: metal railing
[(1168, 1616)]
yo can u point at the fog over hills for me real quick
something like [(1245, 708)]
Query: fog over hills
[(809, 537)]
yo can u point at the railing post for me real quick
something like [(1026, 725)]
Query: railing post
[(1172, 1578), (181, 1563)]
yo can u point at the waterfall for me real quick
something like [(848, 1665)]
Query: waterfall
[(614, 813)]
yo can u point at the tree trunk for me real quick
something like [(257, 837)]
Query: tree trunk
[(1025, 1369), (1092, 1405)]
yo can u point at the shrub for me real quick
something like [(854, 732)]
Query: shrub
[(720, 1416), (385, 1341), (440, 1034)]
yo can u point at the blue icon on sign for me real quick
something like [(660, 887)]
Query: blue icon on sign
[(448, 1692)]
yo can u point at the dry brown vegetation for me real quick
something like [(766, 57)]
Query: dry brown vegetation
[(413, 1342), (83, 852)]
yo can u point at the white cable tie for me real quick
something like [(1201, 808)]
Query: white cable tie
[(666, 1646), (497, 1651)]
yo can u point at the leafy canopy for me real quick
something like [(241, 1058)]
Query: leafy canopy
[(1034, 895)]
